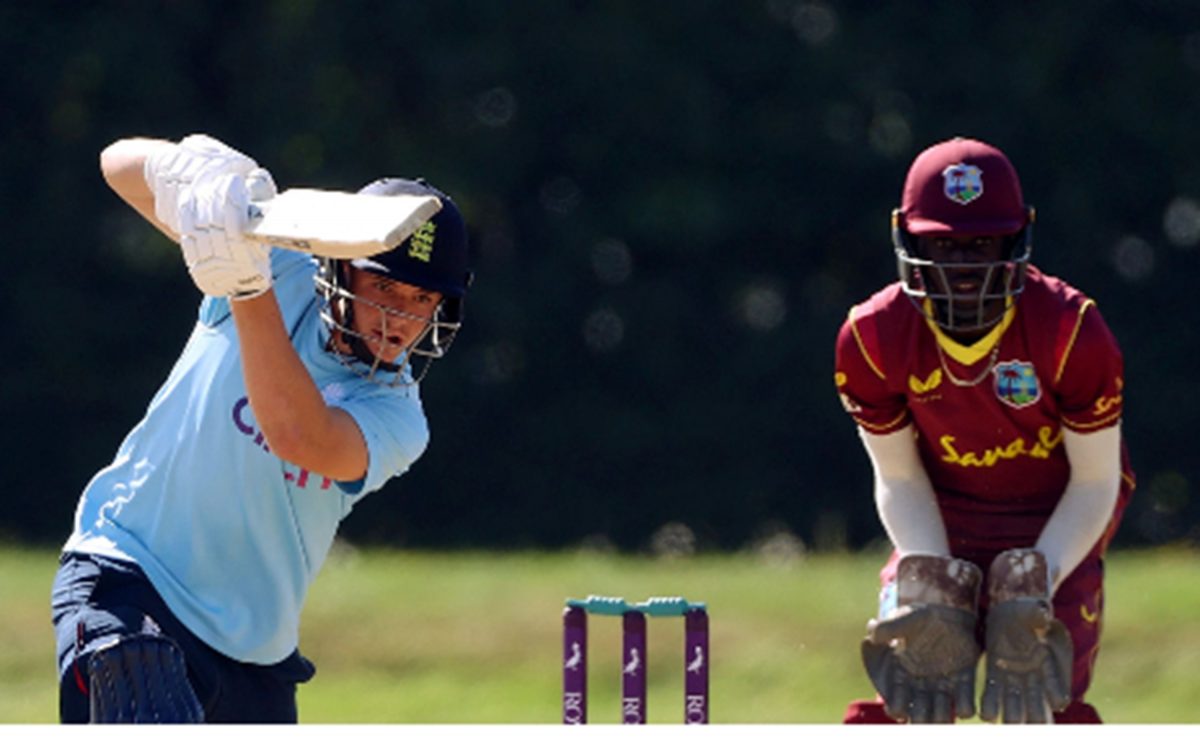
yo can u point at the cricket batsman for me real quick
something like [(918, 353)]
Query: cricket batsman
[(988, 396), (180, 587)]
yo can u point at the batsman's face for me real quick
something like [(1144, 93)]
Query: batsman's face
[(390, 315)]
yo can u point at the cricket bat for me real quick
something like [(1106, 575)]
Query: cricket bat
[(328, 223)]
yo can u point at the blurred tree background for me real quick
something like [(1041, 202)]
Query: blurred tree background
[(673, 205)]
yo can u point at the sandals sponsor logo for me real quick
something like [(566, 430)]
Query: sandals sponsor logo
[(1047, 440), (1104, 404)]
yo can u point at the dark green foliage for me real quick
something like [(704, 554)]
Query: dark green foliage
[(673, 205)]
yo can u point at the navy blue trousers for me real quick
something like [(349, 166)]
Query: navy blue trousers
[(95, 600)]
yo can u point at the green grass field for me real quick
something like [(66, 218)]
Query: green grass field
[(409, 637)]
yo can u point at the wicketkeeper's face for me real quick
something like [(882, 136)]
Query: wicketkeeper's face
[(390, 315), (969, 271)]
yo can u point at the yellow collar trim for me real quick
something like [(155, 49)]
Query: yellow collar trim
[(969, 355)]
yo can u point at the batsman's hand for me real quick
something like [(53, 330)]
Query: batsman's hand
[(213, 213), (1029, 652), (170, 171), (921, 652)]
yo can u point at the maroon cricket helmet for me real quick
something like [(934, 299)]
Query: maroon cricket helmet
[(962, 186)]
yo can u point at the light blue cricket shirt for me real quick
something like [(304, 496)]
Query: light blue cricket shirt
[(230, 535)]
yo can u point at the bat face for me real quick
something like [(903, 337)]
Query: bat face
[(329, 223)]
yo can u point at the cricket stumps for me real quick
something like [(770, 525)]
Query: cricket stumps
[(634, 655)]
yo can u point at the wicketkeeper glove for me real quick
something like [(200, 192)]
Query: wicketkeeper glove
[(170, 171), (1029, 652), (213, 214), (921, 652)]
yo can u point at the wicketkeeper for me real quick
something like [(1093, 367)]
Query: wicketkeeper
[(180, 588), (988, 396)]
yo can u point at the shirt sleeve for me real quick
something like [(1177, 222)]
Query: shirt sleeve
[(1090, 377), (396, 434), (861, 383)]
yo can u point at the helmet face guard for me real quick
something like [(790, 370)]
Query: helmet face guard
[(338, 307), (930, 287), (963, 188), (434, 258)]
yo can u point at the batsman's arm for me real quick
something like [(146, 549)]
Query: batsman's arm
[(122, 164), (290, 411), (1086, 507), (288, 408), (904, 496)]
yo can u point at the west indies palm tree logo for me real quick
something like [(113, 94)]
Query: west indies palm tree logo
[(962, 183), (1017, 384)]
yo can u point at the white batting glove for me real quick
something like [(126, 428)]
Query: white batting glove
[(170, 171), (213, 214)]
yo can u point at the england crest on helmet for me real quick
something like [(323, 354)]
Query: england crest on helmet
[(962, 183)]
